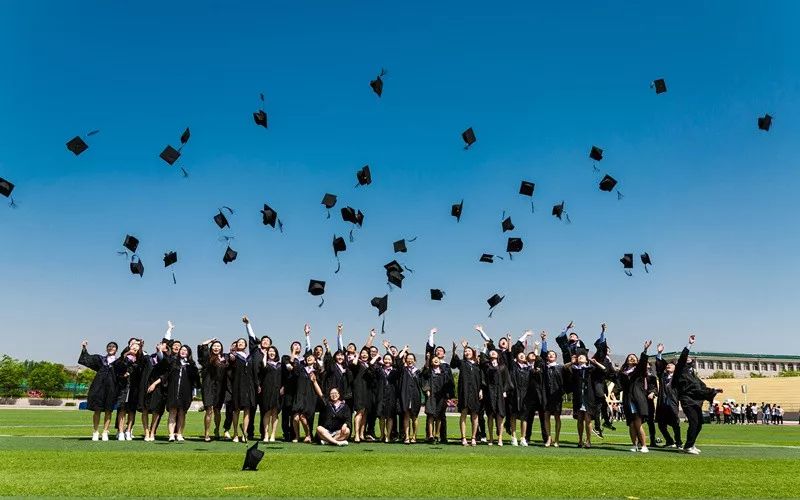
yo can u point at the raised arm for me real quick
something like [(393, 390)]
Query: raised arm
[(661, 365), (482, 332), (88, 360), (339, 339), (168, 333), (641, 366), (430, 346), (543, 336), (681, 364), (317, 389), (307, 332), (370, 338), (252, 341), (455, 361)]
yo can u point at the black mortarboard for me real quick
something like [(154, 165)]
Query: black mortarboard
[(349, 215), (436, 294), (627, 263), (170, 155), (137, 267), (395, 278), (316, 287), (6, 187), (456, 209), (469, 137), (77, 145), (660, 86), (185, 136), (230, 255), (364, 177), (329, 200), (764, 122), (507, 224), (269, 216), (558, 209), (260, 117), (380, 303), (526, 188), (359, 218), (493, 301), (596, 153), (338, 245), (646, 261), (487, 257), (221, 220), (170, 258), (131, 243), (608, 183), (400, 246), (514, 245), (377, 83), (393, 266), (252, 458)]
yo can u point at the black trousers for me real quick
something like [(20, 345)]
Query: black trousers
[(676, 430), (287, 429), (529, 421), (251, 426), (226, 425), (443, 430), (694, 414)]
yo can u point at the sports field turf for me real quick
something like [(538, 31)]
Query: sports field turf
[(48, 452)]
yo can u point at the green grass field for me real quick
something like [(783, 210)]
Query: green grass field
[(49, 453)]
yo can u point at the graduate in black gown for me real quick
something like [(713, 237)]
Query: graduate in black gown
[(584, 403), (289, 383), (363, 379), (667, 404), (553, 379), (305, 398), (635, 390), (258, 349), (410, 395), (519, 376), (436, 386), (337, 375), (433, 350), (470, 380), (102, 394), (243, 395), (535, 395), (214, 377), (386, 379), (334, 426), (601, 379), (495, 374), (151, 403), (129, 382), (270, 392), (691, 393), (183, 378)]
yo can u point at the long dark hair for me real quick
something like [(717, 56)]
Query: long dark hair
[(216, 359)]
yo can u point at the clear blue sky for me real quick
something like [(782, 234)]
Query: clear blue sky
[(713, 199)]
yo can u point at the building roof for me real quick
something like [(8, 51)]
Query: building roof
[(735, 355)]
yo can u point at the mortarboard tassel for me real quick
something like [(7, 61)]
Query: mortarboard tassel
[(533, 210), (628, 273), (174, 281), (412, 239), (329, 214), (91, 133), (408, 269), (280, 225), (125, 253), (510, 257), (619, 195), (184, 173), (566, 215), (338, 266), (391, 288), (491, 311), (12, 203), (645, 269), (226, 239), (229, 209), (323, 301), (351, 236), (383, 326)]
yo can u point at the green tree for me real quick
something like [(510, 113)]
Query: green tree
[(48, 378), (86, 377), (12, 374), (721, 374), (786, 373), (757, 375)]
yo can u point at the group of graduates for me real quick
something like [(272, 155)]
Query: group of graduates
[(356, 392)]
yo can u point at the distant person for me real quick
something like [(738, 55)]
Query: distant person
[(767, 414)]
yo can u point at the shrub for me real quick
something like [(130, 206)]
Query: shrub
[(721, 374), (12, 374), (787, 373), (48, 378), (757, 375)]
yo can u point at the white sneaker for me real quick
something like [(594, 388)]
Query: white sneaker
[(514, 442), (634, 449), (128, 436), (644, 449), (522, 442), (697, 449), (483, 440), (236, 439), (179, 437), (172, 437), (95, 436), (104, 436), (692, 451), (120, 436), (342, 443), (323, 442)]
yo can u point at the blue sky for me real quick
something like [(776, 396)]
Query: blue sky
[(711, 198)]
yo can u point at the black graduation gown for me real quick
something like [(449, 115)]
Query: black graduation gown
[(520, 382), (688, 386), (553, 379), (535, 396), (635, 390), (583, 394), (470, 380), (496, 379), (437, 384), (363, 378), (289, 382), (103, 390), (337, 378), (153, 369), (334, 417), (387, 384), (269, 381), (305, 398), (214, 376), (410, 390), (242, 391), (667, 404), (130, 382), (183, 378)]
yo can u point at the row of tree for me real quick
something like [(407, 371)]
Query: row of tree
[(18, 378)]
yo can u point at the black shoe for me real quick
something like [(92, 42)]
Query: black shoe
[(609, 425)]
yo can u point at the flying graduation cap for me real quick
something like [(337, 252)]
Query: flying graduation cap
[(507, 225), (169, 259), (329, 201), (400, 245), (559, 212), (317, 288), (137, 267), (252, 458), (765, 122), (456, 210), (493, 301), (354, 217), (627, 263), (364, 176), (270, 216), (377, 83), (488, 258), (526, 189), (513, 246), (339, 245), (6, 187), (381, 304), (596, 153), (130, 243), (645, 257), (171, 155), (607, 184), (260, 116), (220, 218), (469, 137), (660, 85), (230, 255), (436, 294), (78, 145)]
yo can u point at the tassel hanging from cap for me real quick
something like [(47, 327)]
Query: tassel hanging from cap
[(338, 266), (174, 281)]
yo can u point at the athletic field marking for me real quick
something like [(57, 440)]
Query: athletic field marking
[(39, 426), (236, 487)]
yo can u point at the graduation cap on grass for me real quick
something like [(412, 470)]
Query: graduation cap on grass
[(627, 263), (252, 458), (317, 288), (377, 83), (493, 301), (469, 137), (6, 187), (78, 145), (260, 116)]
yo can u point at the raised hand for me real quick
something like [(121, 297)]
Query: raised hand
[(603, 327), (691, 339), (543, 335), (571, 325), (170, 325), (464, 344), (647, 344), (479, 328), (528, 333), (325, 342), (372, 333), (307, 329), (245, 320), (434, 331), (339, 329), (660, 348), (386, 344), (84, 344)]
